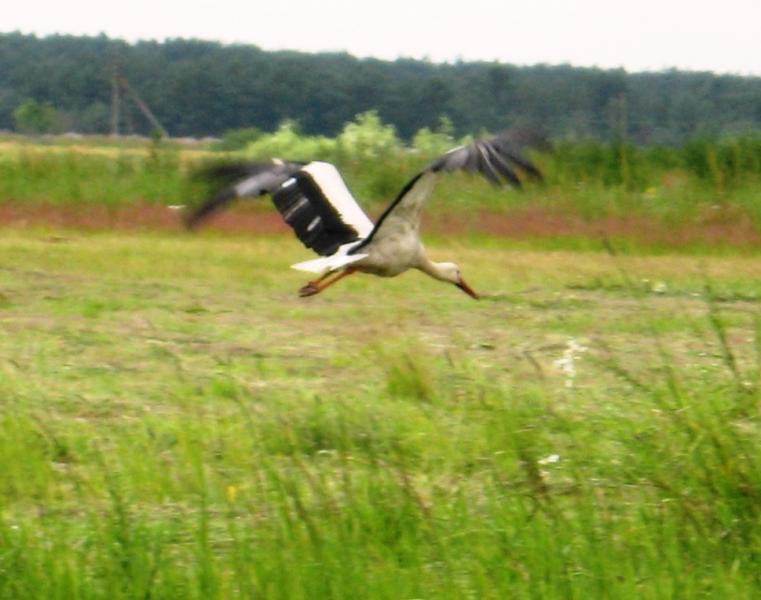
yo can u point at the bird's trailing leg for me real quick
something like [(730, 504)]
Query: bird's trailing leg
[(315, 287)]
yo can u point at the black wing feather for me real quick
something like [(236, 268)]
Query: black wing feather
[(495, 157), (312, 216), (299, 192), (237, 180)]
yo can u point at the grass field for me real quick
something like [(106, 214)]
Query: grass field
[(177, 423), (705, 183)]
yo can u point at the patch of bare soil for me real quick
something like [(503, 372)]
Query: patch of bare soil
[(527, 223)]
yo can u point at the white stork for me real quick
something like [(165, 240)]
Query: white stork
[(314, 200)]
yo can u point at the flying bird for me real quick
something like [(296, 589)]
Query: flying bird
[(314, 200)]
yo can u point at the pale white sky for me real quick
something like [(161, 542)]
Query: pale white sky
[(722, 36)]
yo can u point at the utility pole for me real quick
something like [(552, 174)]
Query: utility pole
[(142, 106), (119, 83)]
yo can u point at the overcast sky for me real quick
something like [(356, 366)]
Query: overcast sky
[(722, 36)]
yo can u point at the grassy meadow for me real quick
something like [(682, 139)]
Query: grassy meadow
[(175, 422), (704, 182)]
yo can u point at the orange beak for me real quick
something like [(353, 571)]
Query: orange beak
[(467, 289)]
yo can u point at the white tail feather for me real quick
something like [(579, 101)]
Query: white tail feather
[(328, 263)]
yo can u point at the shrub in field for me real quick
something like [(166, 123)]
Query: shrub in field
[(367, 138), (32, 116), (237, 139), (434, 142), (723, 163), (372, 149), (289, 143), (615, 164), (77, 176)]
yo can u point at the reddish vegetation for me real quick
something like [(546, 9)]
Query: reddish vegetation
[(543, 223), (133, 217), (520, 224)]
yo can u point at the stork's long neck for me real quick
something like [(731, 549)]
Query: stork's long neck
[(431, 268)]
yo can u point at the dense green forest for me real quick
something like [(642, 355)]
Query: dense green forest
[(198, 88)]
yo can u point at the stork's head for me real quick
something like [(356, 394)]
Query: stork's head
[(451, 272)]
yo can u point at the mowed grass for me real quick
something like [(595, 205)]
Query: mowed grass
[(177, 423)]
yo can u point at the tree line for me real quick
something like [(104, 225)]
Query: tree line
[(199, 88)]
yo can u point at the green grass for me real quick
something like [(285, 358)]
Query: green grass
[(177, 423), (110, 175), (705, 182)]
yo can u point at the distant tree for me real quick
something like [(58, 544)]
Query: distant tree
[(32, 116), (198, 88), (95, 118)]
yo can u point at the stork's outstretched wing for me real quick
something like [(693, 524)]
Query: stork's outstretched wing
[(238, 180), (497, 159), (313, 199)]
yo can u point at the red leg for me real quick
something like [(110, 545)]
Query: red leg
[(321, 278), (315, 287)]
